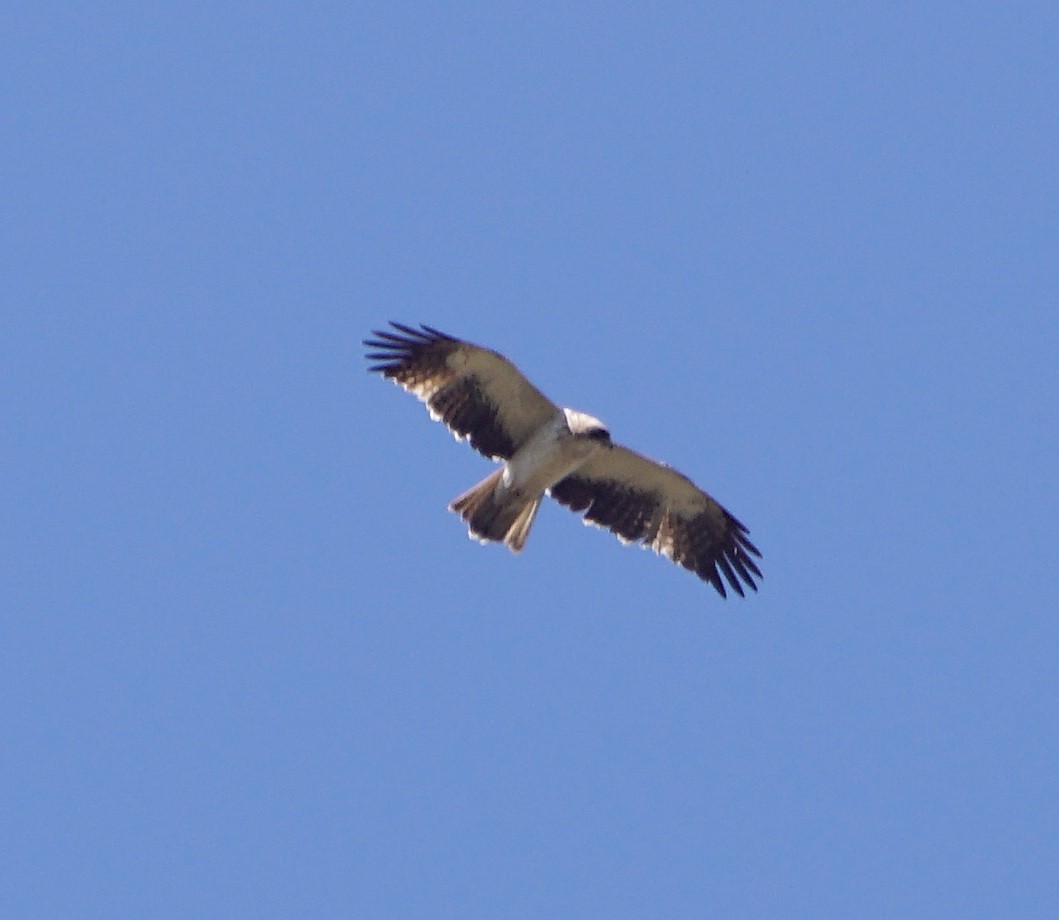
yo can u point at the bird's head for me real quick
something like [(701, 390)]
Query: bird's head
[(583, 425)]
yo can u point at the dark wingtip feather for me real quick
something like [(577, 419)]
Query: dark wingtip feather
[(388, 340), (747, 545), (714, 579), (436, 333), (392, 350), (736, 561), (733, 580), (749, 563), (422, 334)]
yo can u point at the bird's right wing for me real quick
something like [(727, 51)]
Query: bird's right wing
[(477, 393)]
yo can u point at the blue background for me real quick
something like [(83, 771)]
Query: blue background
[(250, 665)]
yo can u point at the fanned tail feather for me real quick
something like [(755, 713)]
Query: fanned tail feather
[(516, 536), (494, 514)]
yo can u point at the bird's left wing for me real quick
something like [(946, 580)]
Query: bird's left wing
[(477, 393), (639, 499)]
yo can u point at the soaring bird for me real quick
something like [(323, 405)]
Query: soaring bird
[(482, 397)]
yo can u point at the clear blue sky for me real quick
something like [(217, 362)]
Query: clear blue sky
[(251, 666)]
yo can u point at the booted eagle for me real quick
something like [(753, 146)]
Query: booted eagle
[(483, 397)]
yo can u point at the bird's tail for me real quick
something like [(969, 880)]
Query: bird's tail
[(492, 512)]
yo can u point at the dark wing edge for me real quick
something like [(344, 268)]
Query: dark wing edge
[(466, 398), (394, 354), (708, 542)]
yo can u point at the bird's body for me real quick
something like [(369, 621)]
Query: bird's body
[(552, 453), (503, 505), (482, 396)]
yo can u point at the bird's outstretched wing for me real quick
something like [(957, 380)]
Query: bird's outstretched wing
[(477, 393), (640, 500)]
